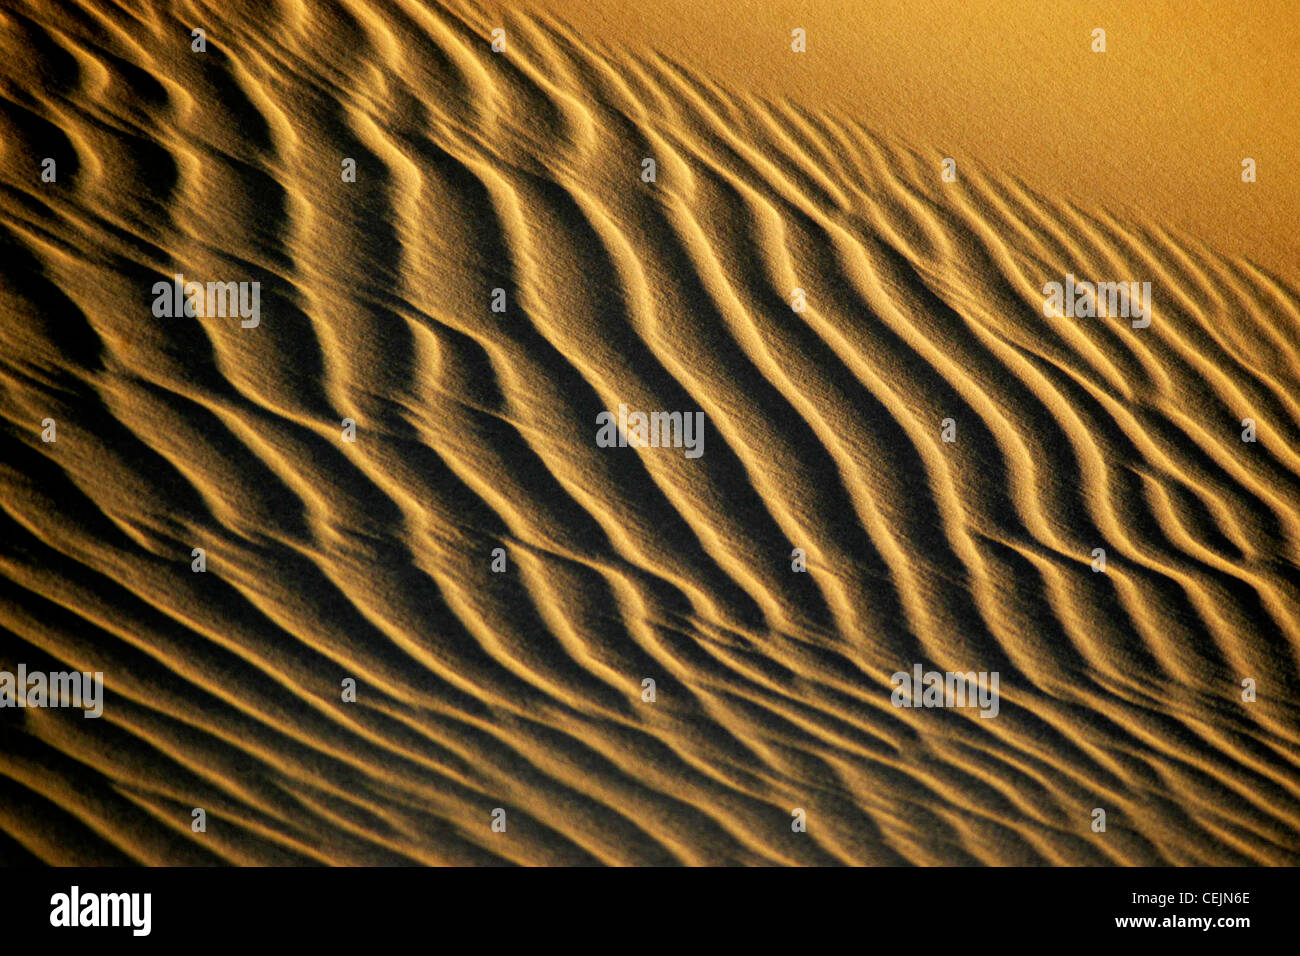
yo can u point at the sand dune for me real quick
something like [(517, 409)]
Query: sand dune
[(522, 171)]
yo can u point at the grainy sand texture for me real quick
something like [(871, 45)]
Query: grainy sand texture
[(971, 348)]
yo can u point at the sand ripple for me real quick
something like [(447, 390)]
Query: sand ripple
[(522, 690)]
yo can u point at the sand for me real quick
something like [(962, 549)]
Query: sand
[(512, 680)]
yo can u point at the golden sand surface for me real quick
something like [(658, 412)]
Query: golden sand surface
[(512, 679), (1156, 126)]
